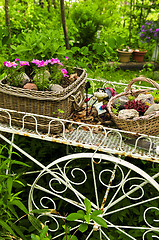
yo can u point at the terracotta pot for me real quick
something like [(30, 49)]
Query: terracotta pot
[(124, 56), (138, 55)]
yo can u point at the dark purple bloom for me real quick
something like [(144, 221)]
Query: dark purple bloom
[(86, 100), (103, 107)]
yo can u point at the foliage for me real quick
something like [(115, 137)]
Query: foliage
[(117, 108), (87, 22), (86, 217), (10, 201), (43, 235), (40, 44), (155, 95)]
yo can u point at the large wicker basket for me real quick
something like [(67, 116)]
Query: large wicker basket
[(48, 103), (148, 124)]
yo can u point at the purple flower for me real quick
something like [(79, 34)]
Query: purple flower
[(149, 31)]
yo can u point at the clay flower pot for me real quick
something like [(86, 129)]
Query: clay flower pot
[(124, 56), (138, 55)]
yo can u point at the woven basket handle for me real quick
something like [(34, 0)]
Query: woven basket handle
[(138, 79), (78, 99)]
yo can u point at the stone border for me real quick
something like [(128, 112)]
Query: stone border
[(133, 65)]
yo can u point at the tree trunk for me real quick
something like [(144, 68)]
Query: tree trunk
[(64, 24), (130, 23), (7, 16)]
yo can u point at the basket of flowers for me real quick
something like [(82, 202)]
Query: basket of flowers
[(135, 110), (47, 89)]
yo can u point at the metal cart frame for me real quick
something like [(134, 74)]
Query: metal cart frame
[(116, 186)]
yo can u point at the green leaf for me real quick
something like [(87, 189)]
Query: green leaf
[(87, 204), (20, 205), (66, 237), (83, 227), (87, 217), (81, 212), (11, 208), (17, 230), (73, 238), (35, 222), (100, 221), (17, 181), (20, 163), (44, 232), (6, 227), (9, 185), (96, 212), (35, 237), (74, 216)]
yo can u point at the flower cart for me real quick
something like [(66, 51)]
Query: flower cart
[(115, 187)]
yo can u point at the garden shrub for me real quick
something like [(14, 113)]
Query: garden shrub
[(87, 22)]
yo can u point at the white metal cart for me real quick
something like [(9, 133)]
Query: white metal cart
[(112, 184)]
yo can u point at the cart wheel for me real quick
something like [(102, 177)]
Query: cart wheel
[(126, 195)]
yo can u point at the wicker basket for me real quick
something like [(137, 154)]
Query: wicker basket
[(148, 124), (44, 103)]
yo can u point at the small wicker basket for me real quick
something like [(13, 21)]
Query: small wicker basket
[(44, 103), (148, 124)]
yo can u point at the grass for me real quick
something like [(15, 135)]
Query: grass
[(121, 76)]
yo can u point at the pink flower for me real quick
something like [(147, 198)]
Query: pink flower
[(17, 59), (10, 64), (35, 61), (52, 61), (64, 72), (66, 58), (24, 63), (57, 60), (4, 64), (43, 63)]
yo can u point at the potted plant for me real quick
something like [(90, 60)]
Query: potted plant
[(138, 54), (124, 54), (56, 90)]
